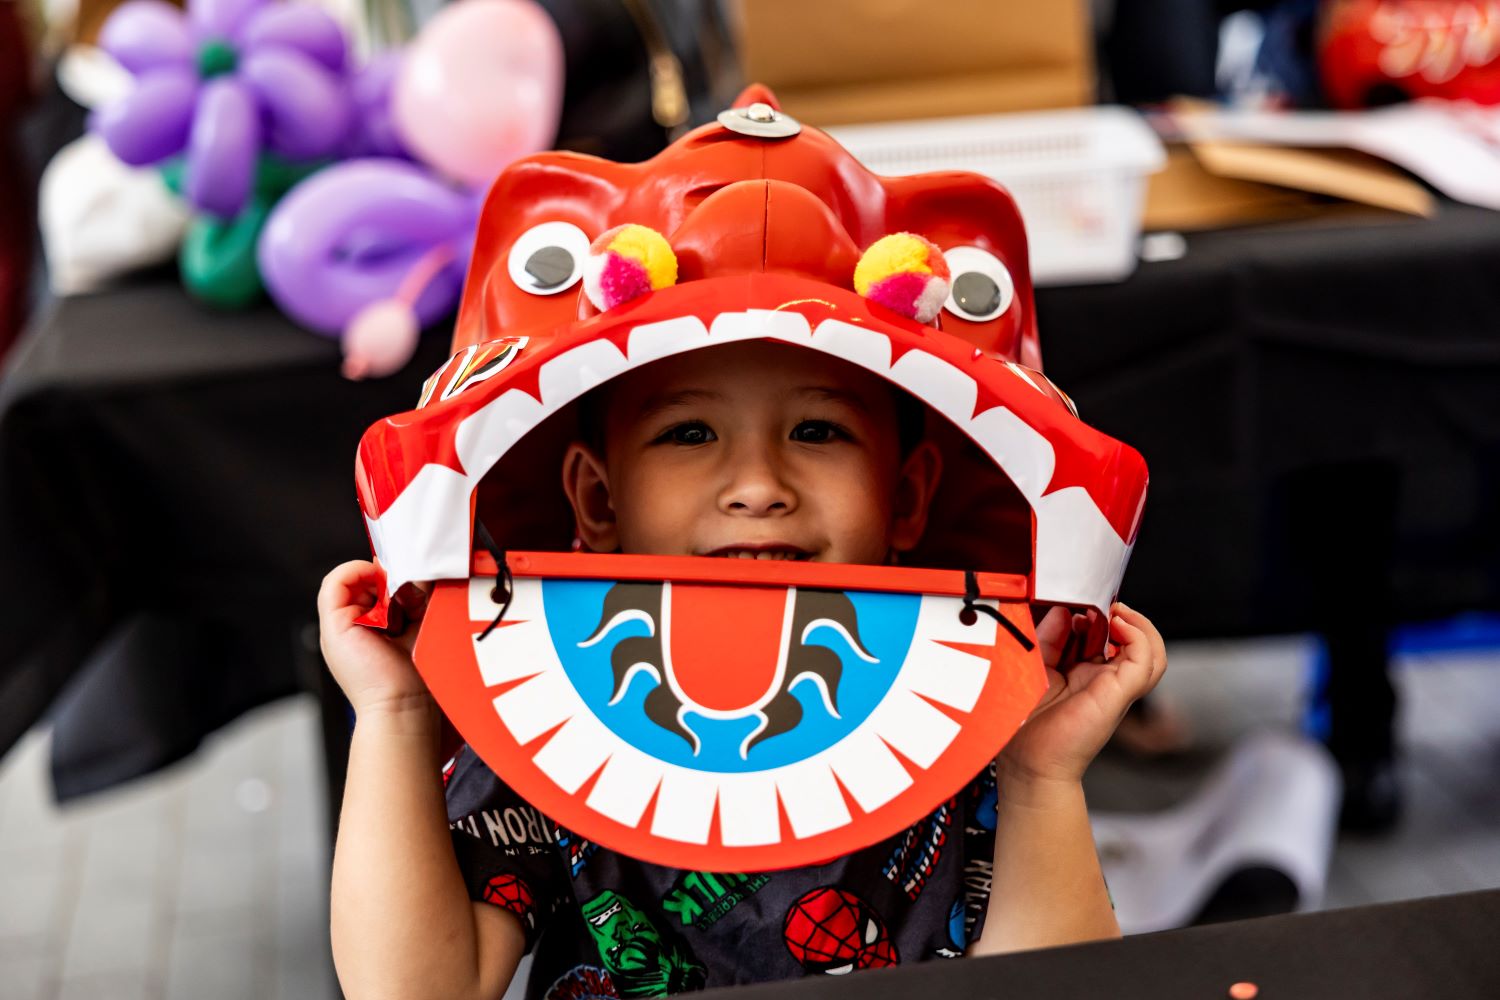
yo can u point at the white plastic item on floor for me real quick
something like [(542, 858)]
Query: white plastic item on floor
[(1273, 804), (1079, 176)]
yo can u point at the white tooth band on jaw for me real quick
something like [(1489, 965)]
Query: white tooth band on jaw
[(582, 745), (575, 372), (1025, 455), (411, 543), (1080, 558), (857, 344), (654, 341), (756, 324), (938, 384)]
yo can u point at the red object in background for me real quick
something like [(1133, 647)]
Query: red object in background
[(16, 207), (1373, 52)]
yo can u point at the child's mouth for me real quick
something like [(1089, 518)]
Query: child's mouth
[(783, 553)]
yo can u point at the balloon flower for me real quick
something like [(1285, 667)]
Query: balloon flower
[(373, 249), (222, 83)]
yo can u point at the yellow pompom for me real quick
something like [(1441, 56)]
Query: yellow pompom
[(897, 253), (651, 249), (904, 273)]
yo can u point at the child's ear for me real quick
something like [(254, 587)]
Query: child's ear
[(918, 481), (586, 482)]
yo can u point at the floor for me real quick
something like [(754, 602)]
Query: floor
[(209, 881)]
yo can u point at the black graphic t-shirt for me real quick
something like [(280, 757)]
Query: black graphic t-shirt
[(606, 925)]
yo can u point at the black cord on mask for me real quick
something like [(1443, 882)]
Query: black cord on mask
[(505, 586), (969, 613)]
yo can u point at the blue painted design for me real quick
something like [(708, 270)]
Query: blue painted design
[(958, 933), (887, 624), (985, 811)]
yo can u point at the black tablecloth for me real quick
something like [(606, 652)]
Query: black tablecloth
[(1317, 405), (1423, 949), (174, 483), (1285, 384)]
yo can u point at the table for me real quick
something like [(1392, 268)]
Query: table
[(174, 483), (1319, 406), (1418, 949), (1356, 364)]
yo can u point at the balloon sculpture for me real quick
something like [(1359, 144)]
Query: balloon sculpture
[(221, 83), (244, 103), (373, 249)]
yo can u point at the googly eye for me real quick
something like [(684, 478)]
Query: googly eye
[(982, 287), (548, 259)]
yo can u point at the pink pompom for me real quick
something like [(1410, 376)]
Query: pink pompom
[(380, 340)]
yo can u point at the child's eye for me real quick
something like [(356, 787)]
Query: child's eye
[(816, 432), (692, 432)]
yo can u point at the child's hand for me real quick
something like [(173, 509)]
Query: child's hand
[(1084, 701), (375, 671)]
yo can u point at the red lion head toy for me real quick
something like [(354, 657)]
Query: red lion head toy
[(749, 228)]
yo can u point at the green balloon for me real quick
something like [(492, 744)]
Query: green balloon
[(217, 258), (274, 176)]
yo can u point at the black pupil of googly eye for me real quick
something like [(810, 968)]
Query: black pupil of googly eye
[(976, 293), (550, 266)]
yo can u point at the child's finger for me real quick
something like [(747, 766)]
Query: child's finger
[(346, 585), (1155, 644), (1133, 661), (1154, 638), (1053, 633)]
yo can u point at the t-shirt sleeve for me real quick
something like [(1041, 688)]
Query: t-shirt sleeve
[(506, 847)]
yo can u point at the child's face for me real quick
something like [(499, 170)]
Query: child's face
[(751, 450)]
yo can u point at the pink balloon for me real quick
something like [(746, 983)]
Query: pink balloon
[(480, 86)]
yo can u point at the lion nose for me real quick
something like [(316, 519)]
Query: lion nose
[(764, 226)]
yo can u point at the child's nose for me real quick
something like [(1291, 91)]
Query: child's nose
[(756, 487)]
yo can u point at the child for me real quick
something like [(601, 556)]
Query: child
[(748, 450)]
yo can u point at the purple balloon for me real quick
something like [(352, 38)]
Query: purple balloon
[(374, 130), (347, 236), (222, 150), (148, 34), (307, 110), (301, 28), (221, 20), (152, 122)]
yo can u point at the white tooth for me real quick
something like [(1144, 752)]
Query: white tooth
[(570, 375), (1080, 558), (575, 752), (1025, 455), (685, 805), (626, 785), (488, 434), (859, 344), (763, 555), (425, 530), (747, 809), (760, 324), (659, 340), (377, 543), (532, 707), (938, 384), (812, 799)]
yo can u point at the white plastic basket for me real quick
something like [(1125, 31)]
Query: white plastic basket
[(1079, 177)]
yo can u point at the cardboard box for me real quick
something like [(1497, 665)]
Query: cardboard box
[(841, 61)]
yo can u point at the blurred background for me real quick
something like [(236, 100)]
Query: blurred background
[(1267, 254)]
